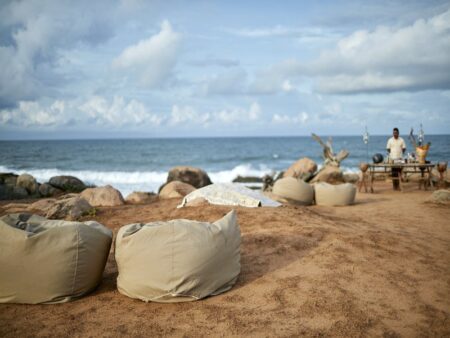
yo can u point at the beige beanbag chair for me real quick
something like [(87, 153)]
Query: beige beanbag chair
[(333, 195), (178, 260), (50, 261), (293, 190)]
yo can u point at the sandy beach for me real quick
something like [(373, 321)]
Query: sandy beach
[(377, 268)]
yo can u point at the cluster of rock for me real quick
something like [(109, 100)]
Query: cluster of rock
[(183, 180), (14, 186)]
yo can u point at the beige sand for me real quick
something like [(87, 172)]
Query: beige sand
[(378, 268)]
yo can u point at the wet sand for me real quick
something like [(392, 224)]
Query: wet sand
[(378, 268)]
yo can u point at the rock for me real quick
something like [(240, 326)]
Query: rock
[(351, 178), (67, 183), (440, 197), (105, 196), (9, 179), (15, 208), (43, 205), (190, 175), (247, 179), (29, 183), (8, 192), (138, 197), (19, 192), (329, 174), (47, 190), (303, 168), (71, 208), (175, 189)]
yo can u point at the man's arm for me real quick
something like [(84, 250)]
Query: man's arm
[(403, 146)]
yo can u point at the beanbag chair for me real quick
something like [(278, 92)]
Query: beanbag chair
[(178, 260), (333, 195), (293, 190), (50, 261)]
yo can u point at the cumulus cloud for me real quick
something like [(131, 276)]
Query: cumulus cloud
[(387, 59), (188, 115), (151, 60), (33, 34), (31, 113), (300, 118), (119, 112), (115, 112)]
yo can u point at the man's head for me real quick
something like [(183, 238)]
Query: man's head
[(395, 132)]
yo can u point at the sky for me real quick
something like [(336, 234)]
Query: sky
[(130, 68)]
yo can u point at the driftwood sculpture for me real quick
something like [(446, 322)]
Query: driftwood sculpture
[(330, 158)]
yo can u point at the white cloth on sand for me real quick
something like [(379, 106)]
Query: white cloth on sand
[(230, 194)]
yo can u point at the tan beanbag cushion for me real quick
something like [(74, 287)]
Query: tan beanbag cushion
[(178, 260), (293, 190), (333, 195), (50, 261)]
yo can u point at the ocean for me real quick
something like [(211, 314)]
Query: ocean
[(142, 164)]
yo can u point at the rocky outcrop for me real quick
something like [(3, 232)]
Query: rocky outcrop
[(106, 196), (138, 197), (9, 190), (175, 189), (67, 183), (303, 169), (29, 183), (71, 208), (329, 174), (47, 190), (190, 175)]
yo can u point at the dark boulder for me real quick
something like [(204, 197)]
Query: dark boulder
[(67, 183)]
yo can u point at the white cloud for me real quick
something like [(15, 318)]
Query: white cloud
[(388, 59), (181, 115), (239, 114), (116, 112), (31, 113), (119, 112), (189, 116), (151, 60), (300, 118), (306, 33), (33, 35)]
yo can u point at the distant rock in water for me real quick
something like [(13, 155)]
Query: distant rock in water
[(190, 175), (106, 196), (247, 179), (67, 183)]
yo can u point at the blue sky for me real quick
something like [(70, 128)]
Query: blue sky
[(96, 69)]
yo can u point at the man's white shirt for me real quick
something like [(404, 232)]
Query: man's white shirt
[(396, 147)]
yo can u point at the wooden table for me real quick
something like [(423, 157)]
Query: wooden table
[(405, 168)]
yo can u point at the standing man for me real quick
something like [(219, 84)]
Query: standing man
[(396, 148)]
